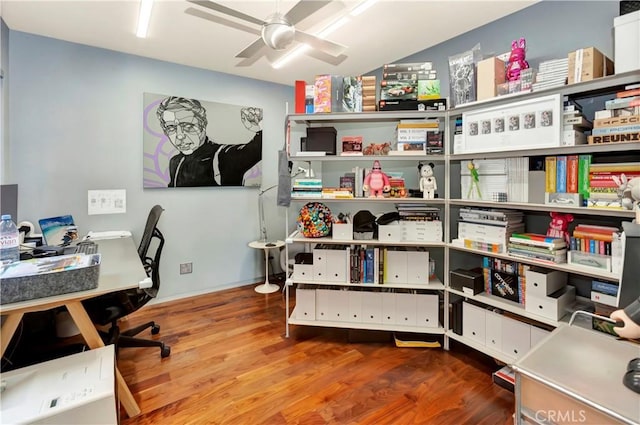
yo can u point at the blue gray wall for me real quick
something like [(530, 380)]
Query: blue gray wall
[(76, 124), (551, 28)]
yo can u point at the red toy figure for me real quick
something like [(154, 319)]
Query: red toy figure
[(376, 181), (516, 60), (558, 228)]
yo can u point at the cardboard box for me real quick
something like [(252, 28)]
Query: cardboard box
[(491, 72), (627, 42), (587, 64)]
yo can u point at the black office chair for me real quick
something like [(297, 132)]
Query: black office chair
[(109, 308)]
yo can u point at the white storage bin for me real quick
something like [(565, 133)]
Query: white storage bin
[(396, 266), (355, 306), (323, 301), (473, 322), (552, 306), (516, 337), (338, 306), (427, 310), (306, 304), (406, 309), (388, 308), (342, 231), (627, 42), (320, 264), (541, 282), (302, 272), (493, 330), (417, 267), (336, 262), (371, 307), (390, 233)]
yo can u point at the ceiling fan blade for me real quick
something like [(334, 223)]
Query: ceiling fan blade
[(252, 49), (325, 57), (227, 11), (326, 46), (303, 9), (220, 20)]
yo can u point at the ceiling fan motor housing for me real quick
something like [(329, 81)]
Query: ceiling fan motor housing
[(277, 33)]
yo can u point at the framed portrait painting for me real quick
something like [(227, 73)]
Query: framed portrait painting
[(191, 143)]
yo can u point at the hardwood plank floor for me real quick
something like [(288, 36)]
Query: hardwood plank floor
[(231, 363)]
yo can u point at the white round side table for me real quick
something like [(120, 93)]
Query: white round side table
[(266, 287)]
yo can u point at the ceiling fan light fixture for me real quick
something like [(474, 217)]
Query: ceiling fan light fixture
[(278, 33)]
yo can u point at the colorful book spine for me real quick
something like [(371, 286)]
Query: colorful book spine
[(584, 163), (572, 173), (550, 174), (617, 129), (561, 174)]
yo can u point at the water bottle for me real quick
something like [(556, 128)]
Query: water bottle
[(9, 240)]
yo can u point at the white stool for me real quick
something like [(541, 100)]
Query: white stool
[(266, 287)]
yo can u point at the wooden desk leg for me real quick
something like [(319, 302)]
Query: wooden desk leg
[(92, 337), (11, 322)]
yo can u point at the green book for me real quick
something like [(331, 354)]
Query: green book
[(584, 163)]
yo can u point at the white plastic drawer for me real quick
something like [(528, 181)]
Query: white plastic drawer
[(473, 322)]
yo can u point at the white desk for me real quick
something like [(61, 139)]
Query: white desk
[(575, 376), (266, 287), (120, 269)]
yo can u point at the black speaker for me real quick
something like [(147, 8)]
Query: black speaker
[(628, 7)]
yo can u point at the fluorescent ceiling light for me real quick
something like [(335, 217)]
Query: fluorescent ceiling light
[(294, 53), (334, 26), (144, 17), (362, 7)]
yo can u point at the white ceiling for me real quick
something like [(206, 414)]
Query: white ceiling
[(388, 31)]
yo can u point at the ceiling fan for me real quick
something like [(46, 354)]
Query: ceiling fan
[(277, 32)]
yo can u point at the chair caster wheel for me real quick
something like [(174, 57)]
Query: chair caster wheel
[(155, 329), (165, 351)]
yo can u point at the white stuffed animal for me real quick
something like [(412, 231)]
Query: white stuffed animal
[(628, 191)]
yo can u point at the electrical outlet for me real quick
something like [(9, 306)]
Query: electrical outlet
[(186, 268)]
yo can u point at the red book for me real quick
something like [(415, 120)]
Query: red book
[(300, 89), (572, 174)]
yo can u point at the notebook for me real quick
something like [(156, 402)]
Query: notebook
[(59, 231)]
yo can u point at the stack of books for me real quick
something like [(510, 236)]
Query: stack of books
[(417, 212), (606, 180), (418, 137), (368, 93), (574, 125), (620, 120), (592, 245), (551, 73), (538, 247), (337, 193), (488, 229), (306, 188)]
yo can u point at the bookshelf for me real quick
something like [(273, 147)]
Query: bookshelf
[(449, 255)]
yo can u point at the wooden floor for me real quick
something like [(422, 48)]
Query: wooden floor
[(231, 363)]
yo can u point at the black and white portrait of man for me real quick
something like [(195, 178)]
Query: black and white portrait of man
[(189, 143)]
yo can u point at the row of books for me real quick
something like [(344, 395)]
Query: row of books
[(567, 174)]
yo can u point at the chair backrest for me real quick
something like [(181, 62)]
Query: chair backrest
[(151, 261)]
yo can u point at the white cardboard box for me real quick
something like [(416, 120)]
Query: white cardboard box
[(543, 282), (552, 306), (627, 42)]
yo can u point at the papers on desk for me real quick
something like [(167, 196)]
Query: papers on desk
[(111, 234), (39, 266)]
